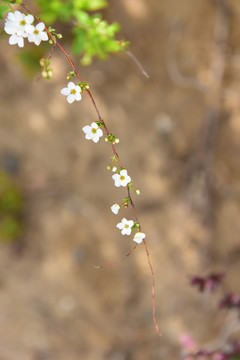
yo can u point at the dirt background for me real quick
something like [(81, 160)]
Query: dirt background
[(179, 140)]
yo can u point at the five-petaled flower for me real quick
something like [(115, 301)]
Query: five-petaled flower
[(37, 34), (125, 226), (93, 132), (72, 91), (19, 26), (138, 237), (121, 179), (115, 208)]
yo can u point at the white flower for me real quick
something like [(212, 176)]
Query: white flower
[(115, 208), (121, 179), (37, 34), (18, 25), (92, 132), (138, 237), (72, 91), (125, 226)]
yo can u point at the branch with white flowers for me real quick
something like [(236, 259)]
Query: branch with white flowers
[(21, 26)]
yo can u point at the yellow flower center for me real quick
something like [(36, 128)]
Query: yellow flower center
[(126, 226), (23, 22), (94, 130), (122, 177), (73, 91), (36, 31)]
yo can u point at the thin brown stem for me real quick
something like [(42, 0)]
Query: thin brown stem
[(100, 119), (153, 289)]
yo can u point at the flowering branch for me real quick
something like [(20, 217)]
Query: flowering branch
[(20, 26)]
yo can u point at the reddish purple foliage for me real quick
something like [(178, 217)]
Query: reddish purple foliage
[(209, 282), (230, 301)]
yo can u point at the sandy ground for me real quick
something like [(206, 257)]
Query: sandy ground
[(179, 140)]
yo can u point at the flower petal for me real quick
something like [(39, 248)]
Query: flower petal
[(11, 16), (13, 39), (37, 40), (43, 35), (71, 85), (20, 42), (99, 132), (123, 172), (65, 91), (10, 28), (94, 125), (78, 96), (86, 129), (88, 136), (29, 19), (31, 37), (95, 138), (40, 26), (71, 98)]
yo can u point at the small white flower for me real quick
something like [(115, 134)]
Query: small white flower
[(115, 208), (73, 92), (114, 169), (37, 34), (125, 226), (93, 132), (138, 237), (18, 25), (121, 179)]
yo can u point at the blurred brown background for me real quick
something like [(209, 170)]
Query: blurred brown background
[(179, 136)]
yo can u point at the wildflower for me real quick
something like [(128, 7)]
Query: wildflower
[(115, 208), (37, 34), (93, 132), (121, 179), (125, 226), (18, 25), (72, 91), (138, 237)]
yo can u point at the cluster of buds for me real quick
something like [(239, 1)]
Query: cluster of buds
[(112, 139), (46, 71)]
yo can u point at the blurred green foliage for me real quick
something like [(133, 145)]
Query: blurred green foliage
[(91, 34), (11, 208)]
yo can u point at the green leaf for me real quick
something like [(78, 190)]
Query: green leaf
[(10, 228), (3, 10), (90, 4), (10, 196), (79, 40)]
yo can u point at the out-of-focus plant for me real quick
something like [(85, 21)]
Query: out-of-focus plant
[(22, 29), (11, 208), (91, 34), (225, 347)]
